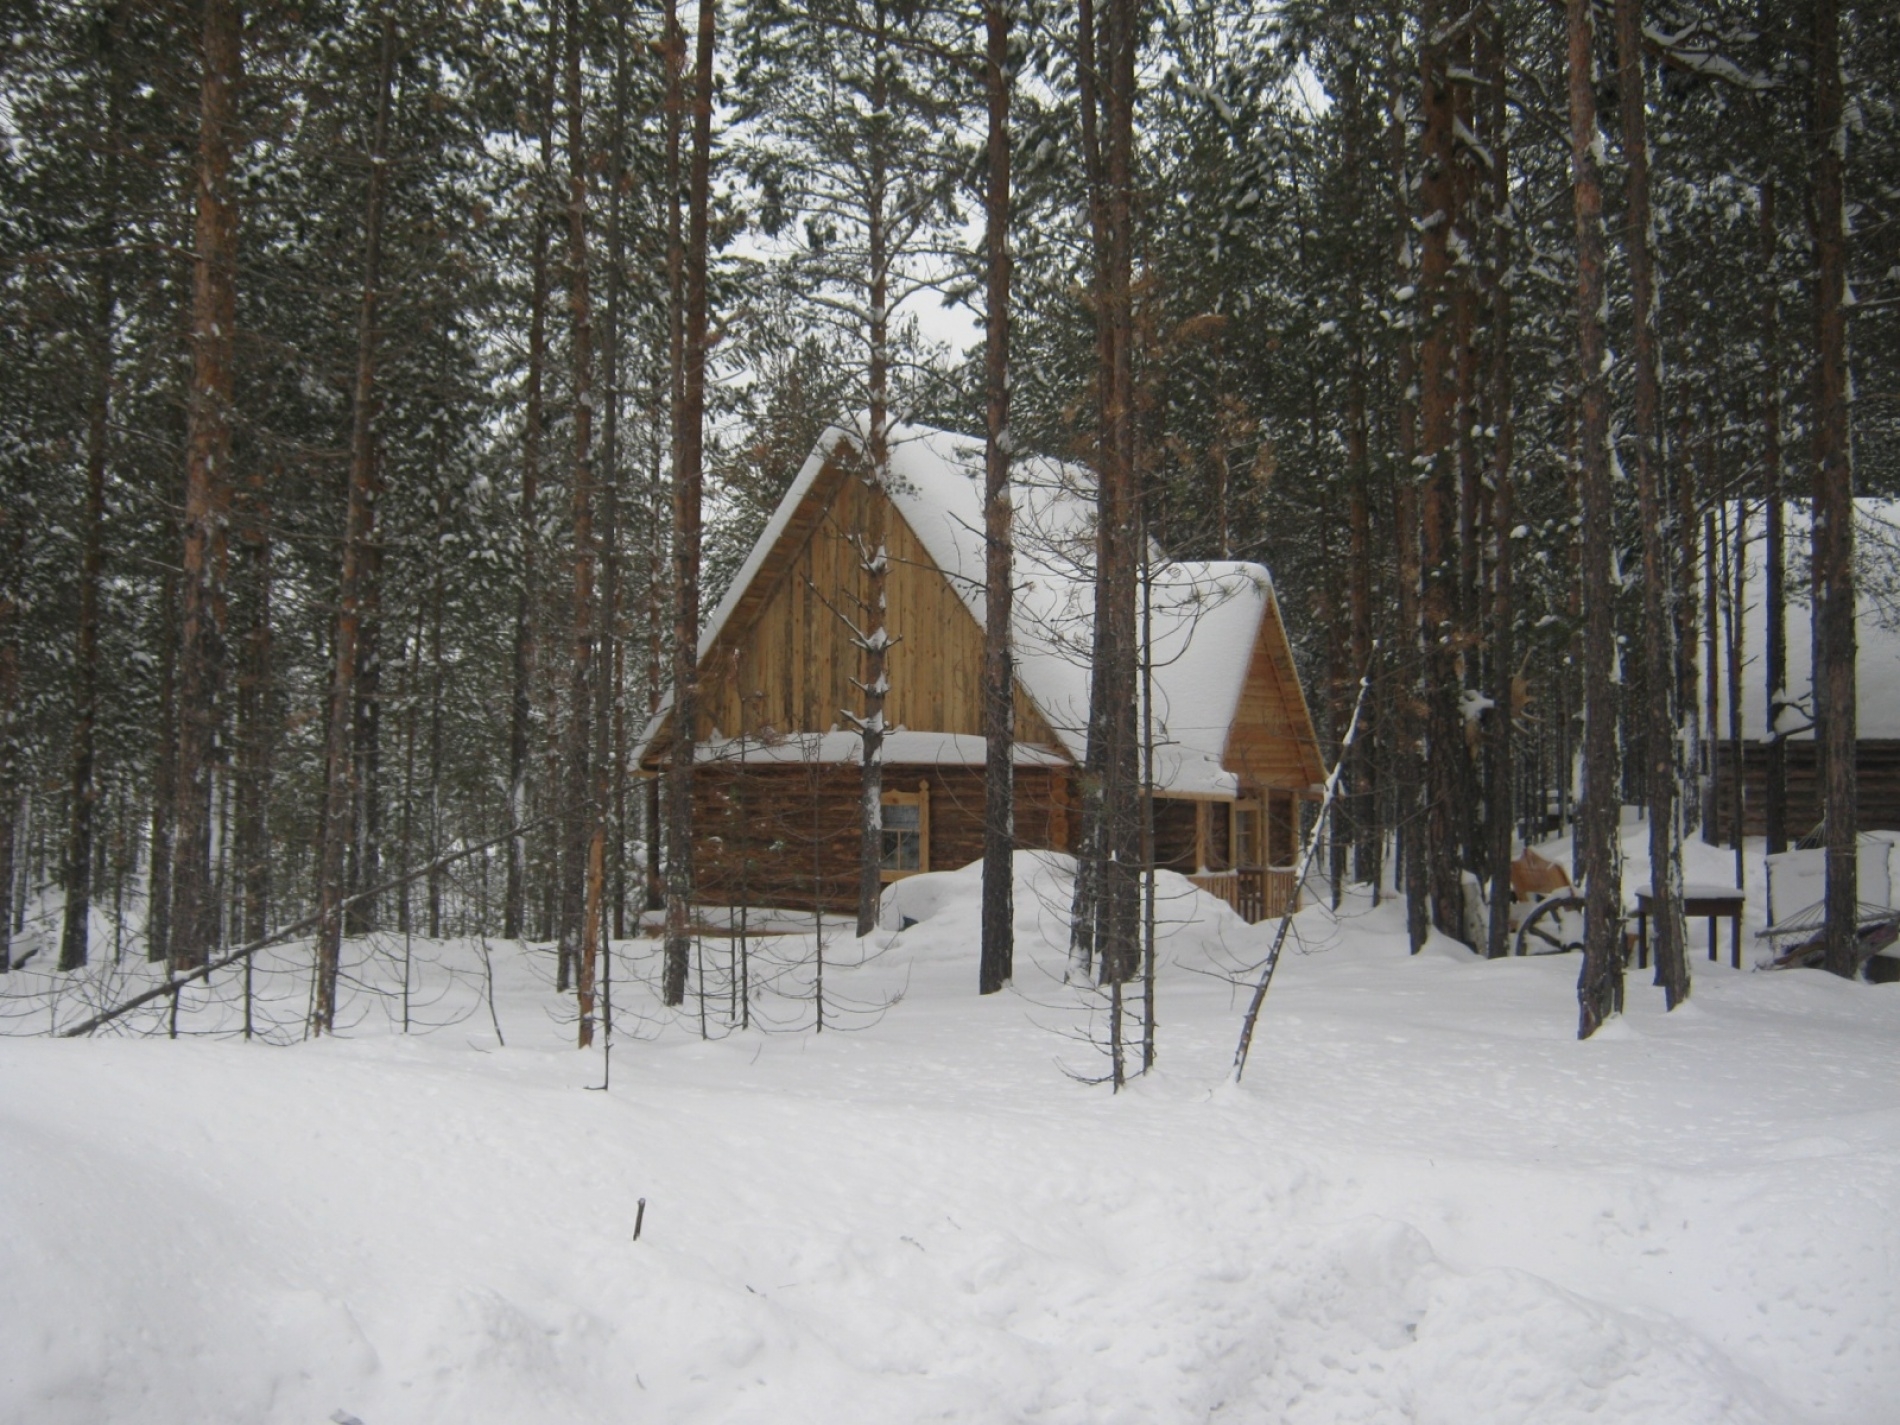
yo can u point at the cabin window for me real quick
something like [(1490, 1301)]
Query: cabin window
[(906, 817)]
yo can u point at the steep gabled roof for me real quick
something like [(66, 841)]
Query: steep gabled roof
[(1211, 621)]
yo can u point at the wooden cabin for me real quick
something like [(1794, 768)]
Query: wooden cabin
[(777, 779)]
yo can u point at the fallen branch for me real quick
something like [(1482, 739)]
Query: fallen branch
[(1299, 879), (288, 932)]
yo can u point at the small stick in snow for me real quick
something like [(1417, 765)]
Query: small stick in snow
[(639, 1218)]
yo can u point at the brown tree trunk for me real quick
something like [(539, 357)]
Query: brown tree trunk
[(688, 480), (1665, 841), (1834, 643), (1408, 766), (158, 891), (207, 484), (12, 563), (364, 869), (1774, 559), (581, 814), (252, 838), (521, 701), (1360, 799), (1688, 620), (874, 641), (997, 964), (358, 514), (1109, 889), (1600, 985), (610, 745), (1438, 404), (1503, 510), (82, 792)]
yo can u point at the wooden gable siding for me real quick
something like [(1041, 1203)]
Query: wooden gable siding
[(786, 658), (1272, 743)]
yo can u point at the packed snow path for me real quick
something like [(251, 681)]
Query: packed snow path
[(1428, 1203)]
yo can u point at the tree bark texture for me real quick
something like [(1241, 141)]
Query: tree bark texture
[(874, 640), (688, 483), (997, 963), (193, 908), (580, 813), (1502, 779), (1834, 643), (359, 512), (251, 842), (1600, 984), (1111, 810), (1774, 542), (13, 548), (1659, 733), (1438, 408)]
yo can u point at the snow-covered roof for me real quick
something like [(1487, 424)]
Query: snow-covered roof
[(1877, 589), (1206, 616)]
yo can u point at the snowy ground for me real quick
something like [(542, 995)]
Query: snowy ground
[(1428, 1202)]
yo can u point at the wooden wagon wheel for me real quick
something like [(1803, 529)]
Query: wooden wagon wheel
[(1547, 926)]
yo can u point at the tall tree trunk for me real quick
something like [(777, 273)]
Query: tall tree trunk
[(207, 483), (1090, 77), (436, 881), (365, 856), (1688, 621), (1496, 131), (1359, 799), (656, 591), (12, 565), (158, 891), (1774, 560), (358, 513), (1112, 812), (997, 964), (1408, 765), (610, 745), (581, 812), (688, 482), (83, 793), (1600, 985), (521, 701), (1834, 643), (252, 839), (1659, 731), (1438, 404), (874, 561)]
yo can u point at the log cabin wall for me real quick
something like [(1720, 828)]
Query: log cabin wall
[(786, 658), (1878, 768), (766, 835)]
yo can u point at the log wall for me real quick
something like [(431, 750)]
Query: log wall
[(1878, 767), (767, 835)]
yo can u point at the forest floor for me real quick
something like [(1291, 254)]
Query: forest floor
[(1428, 1201)]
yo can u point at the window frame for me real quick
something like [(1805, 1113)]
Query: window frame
[(921, 800)]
